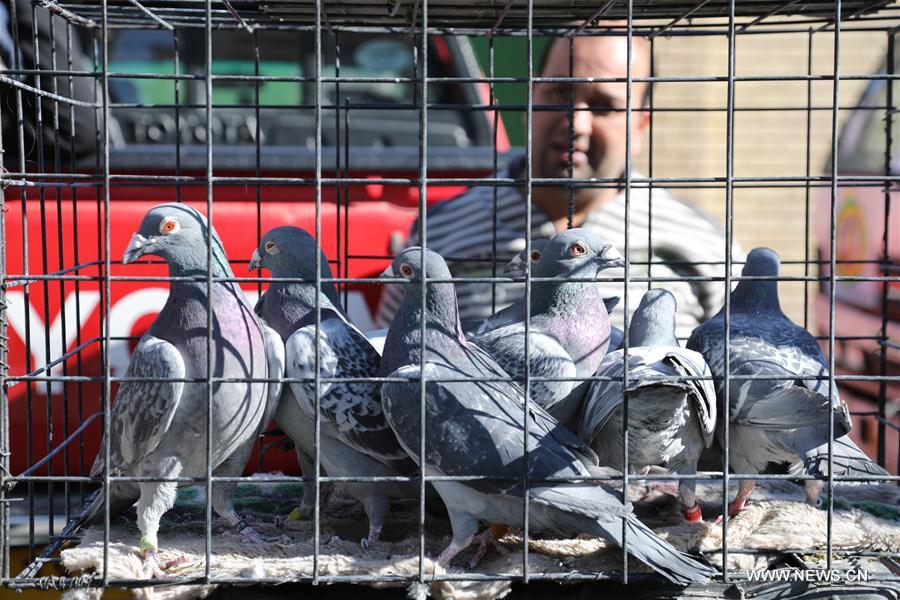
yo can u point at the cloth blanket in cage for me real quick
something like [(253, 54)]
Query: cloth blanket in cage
[(866, 518)]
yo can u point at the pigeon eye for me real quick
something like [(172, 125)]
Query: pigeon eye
[(169, 225), (535, 255), (271, 248), (406, 270), (578, 249)]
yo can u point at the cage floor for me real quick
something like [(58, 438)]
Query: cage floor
[(867, 519)]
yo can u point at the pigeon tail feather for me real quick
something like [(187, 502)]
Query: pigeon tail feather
[(848, 460)]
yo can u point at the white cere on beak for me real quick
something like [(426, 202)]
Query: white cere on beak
[(255, 260), (135, 248)]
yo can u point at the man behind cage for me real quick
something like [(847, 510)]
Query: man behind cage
[(685, 241)]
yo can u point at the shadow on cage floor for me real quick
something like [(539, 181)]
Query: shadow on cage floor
[(866, 519)]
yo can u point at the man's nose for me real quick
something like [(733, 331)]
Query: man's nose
[(581, 119)]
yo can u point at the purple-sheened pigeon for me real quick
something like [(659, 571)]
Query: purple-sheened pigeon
[(158, 428), (569, 327)]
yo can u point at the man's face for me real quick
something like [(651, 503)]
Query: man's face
[(599, 133)]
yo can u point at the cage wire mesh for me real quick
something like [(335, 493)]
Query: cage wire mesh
[(324, 113)]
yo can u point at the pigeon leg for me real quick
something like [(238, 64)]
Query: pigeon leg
[(813, 488), (645, 491), (464, 529), (223, 493), (156, 499), (486, 540), (737, 505), (376, 507), (687, 493), (307, 468)]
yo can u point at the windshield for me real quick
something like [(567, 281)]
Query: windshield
[(381, 114)]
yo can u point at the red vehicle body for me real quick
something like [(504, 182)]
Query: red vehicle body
[(861, 308), (51, 318)]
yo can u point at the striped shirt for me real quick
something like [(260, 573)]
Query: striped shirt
[(685, 242)]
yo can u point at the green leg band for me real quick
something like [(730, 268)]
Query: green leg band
[(147, 543)]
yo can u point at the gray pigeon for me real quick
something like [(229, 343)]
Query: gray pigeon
[(778, 421), (569, 326), (476, 429), (356, 441), (515, 312), (158, 428), (670, 420)]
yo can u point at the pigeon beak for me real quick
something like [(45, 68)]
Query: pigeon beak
[(387, 273), (137, 247), (515, 267), (255, 261), (609, 258)]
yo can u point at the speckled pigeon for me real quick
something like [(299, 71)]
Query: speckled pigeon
[(477, 429), (515, 312), (670, 420), (356, 440), (158, 428), (569, 326), (781, 420)]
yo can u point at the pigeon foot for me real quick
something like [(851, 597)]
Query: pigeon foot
[(485, 540), (374, 534), (151, 567)]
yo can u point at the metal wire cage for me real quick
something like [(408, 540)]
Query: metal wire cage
[(110, 107)]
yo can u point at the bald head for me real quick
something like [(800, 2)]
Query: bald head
[(614, 49)]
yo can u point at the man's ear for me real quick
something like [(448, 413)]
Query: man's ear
[(640, 121)]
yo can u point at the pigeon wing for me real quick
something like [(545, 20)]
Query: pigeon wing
[(275, 357), (703, 391), (603, 397), (489, 367), (475, 429), (144, 410), (773, 403), (354, 408)]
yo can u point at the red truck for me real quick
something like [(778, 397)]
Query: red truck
[(374, 135)]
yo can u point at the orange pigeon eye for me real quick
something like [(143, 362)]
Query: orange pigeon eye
[(169, 225), (406, 270), (535, 255), (271, 248), (578, 249)]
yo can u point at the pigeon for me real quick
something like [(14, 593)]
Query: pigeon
[(783, 420), (515, 312), (569, 325), (670, 420), (477, 429), (158, 428), (355, 439)]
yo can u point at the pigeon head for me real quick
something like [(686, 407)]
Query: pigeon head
[(516, 266), (653, 323), (440, 298), (177, 234), (577, 253), (758, 295), (290, 252), (408, 265)]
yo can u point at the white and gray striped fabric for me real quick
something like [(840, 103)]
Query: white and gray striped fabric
[(686, 242)]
